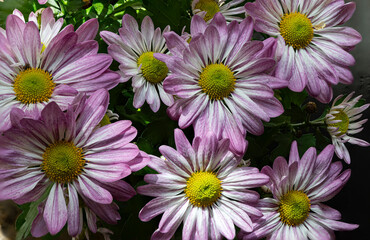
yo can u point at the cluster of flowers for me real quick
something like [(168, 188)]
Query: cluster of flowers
[(57, 141)]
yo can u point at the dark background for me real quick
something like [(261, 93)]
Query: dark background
[(354, 200)]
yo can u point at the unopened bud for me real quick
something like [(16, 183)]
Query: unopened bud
[(311, 107)]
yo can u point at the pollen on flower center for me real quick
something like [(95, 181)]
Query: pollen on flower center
[(296, 29), (217, 81), (105, 121), (209, 6), (154, 71), (203, 189), (33, 85), (43, 48), (294, 207), (62, 161), (343, 125)]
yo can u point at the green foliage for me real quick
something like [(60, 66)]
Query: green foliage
[(30, 211), (169, 12), (305, 142), (25, 6)]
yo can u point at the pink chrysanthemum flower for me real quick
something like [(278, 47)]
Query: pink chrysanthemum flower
[(33, 73), (221, 79), (299, 187), (49, 28), (341, 121), (202, 186), (64, 153), (134, 51), (208, 8), (312, 50)]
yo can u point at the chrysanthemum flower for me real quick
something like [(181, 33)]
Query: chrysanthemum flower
[(31, 76), (208, 8), (134, 51), (299, 187), (64, 153), (49, 28), (312, 50), (202, 186), (222, 80), (341, 122)]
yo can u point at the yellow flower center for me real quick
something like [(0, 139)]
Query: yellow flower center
[(43, 48), (154, 71), (105, 121), (33, 85), (62, 161), (296, 29), (294, 207), (343, 125), (217, 81), (209, 6), (203, 189)]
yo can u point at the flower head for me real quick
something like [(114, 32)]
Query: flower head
[(202, 186), (208, 8), (342, 124), (221, 79), (134, 50), (312, 50), (48, 65), (65, 153), (299, 187)]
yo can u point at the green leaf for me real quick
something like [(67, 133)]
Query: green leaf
[(98, 7), (360, 102), (7, 7), (29, 214), (321, 140), (305, 142), (289, 97), (145, 146), (169, 12), (297, 114), (283, 148)]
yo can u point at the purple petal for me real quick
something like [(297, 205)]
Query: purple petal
[(113, 156), (184, 148), (112, 135), (57, 49), (107, 173), (120, 190), (175, 43), (74, 217), (88, 30), (91, 115), (38, 228), (173, 216), (343, 36), (325, 211), (197, 26), (31, 36), (190, 224), (93, 191), (157, 206), (224, 223), (147, 30), (177, 159), (17, 187), (55, 214)]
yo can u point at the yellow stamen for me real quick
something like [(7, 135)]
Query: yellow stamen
[(203, 189), (33, 85)]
